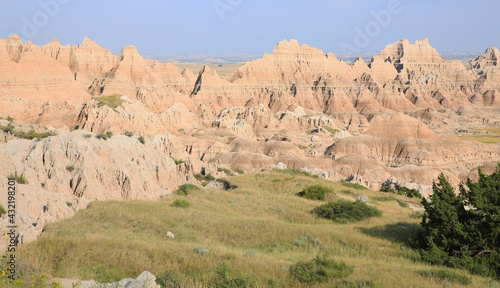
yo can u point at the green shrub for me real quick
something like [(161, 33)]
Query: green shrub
[(102, 136), (185, 189), (354, 185), (87, 136), (32, 134), (25, 135), (226, 171), (142, 140), (222, 280), (315, 192), (8, 129), (181, 203), (207, 177), (18, 178), (446, 275), (109, 134), (319, 269), (70, 168), (69, 204), (346, 211), (128, 133), (10, 119), (239, 171), (410, 193), (387, 189), (2, 211), (177, 162)]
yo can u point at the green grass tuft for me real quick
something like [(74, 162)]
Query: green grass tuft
[(181, 204), (446, 275), (112, 101), (319, 269)]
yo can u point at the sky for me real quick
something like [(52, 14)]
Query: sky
[(254, 26)]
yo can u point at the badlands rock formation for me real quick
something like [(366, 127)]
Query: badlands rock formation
[(388, 120)]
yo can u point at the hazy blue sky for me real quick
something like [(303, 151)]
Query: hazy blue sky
[(254, 26)]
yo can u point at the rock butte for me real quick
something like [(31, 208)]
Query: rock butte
[(389, 120)]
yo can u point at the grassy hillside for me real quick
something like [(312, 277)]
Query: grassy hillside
[(489, 135), (252, 228)]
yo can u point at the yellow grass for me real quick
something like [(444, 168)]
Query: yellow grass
[(492, 137), (114, 240)]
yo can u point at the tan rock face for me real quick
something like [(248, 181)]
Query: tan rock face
[(392, 118)]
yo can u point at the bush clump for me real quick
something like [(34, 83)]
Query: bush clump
[(344, 211), (207, 177), (315, 192), (102, 136), (239, 171), (128, 133), (410, 193), (446, 275), (70, 168), (226, 171), (319, 269), (387, 189), (2, 211), (177, 162), (181, 204), (185, 189), (142, 140), (18, 178), (25, 135), (401, 190)]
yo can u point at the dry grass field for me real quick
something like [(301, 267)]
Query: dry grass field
[(252, 228)]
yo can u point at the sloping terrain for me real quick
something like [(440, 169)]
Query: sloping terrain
[(391, 120), (256, 228)]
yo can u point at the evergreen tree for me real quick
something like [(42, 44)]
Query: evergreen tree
[(463, 230), (482, 220), (443, 229)]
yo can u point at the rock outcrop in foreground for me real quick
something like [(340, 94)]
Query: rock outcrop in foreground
[(393, 119)]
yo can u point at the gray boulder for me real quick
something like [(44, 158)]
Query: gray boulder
[(145, 280), (280, 165), (363, 198)]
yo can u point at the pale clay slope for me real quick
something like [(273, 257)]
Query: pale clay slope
[(386, 121)]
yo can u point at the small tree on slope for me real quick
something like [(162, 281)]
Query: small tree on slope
[(461, 237)]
